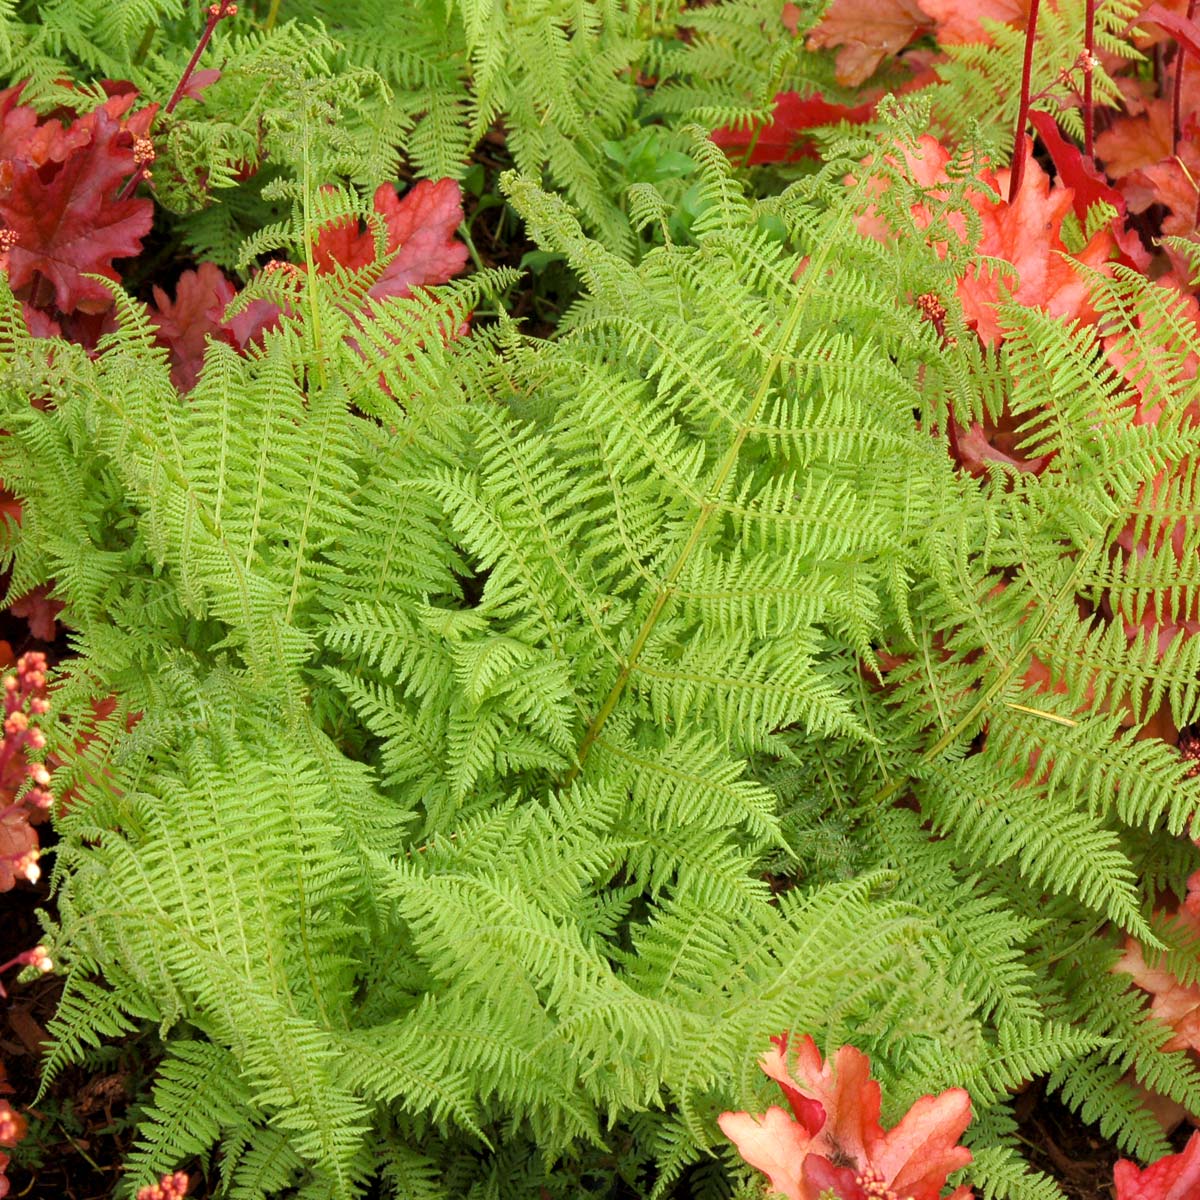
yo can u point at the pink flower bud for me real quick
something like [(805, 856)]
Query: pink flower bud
[(38, 773), (39, 958), (12, 1125), (26, 865)]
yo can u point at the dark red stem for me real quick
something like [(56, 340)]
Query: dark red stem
[(1177, 96), (215, 13), (1018, 163), (1089, 49)]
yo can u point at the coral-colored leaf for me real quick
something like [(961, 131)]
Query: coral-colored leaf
[(186, 323), (773, 1144), (782, 138), (866, 31), (848, 1151), (420, 231), (1027, 234), (17, 838), (67, 217), (1175, 1177), (1171, 1002), (960, 22), (40, 611), (917, 1155)]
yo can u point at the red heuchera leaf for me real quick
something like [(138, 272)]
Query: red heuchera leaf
[(1089, 187), (40, 611), (62, 205), (1185, 32), (186, 323), (782, 140), (834, 1139), (420, 229), (867, 31), (1176, 1177), (205, 77)]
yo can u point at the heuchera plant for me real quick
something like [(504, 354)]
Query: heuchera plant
[(832, 1140)]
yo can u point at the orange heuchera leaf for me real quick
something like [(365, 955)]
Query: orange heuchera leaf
[(1026, 233), (960, 22), (833, 1141), (1131, 143), (866, 31), (1176, 1177), (1171, 1002), (1171, 183)]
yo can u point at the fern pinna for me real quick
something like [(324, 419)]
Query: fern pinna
[(511, 735)]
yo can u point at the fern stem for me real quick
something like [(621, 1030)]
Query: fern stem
[(272, 16), (139, 55), (814, 270), (312, 291)]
